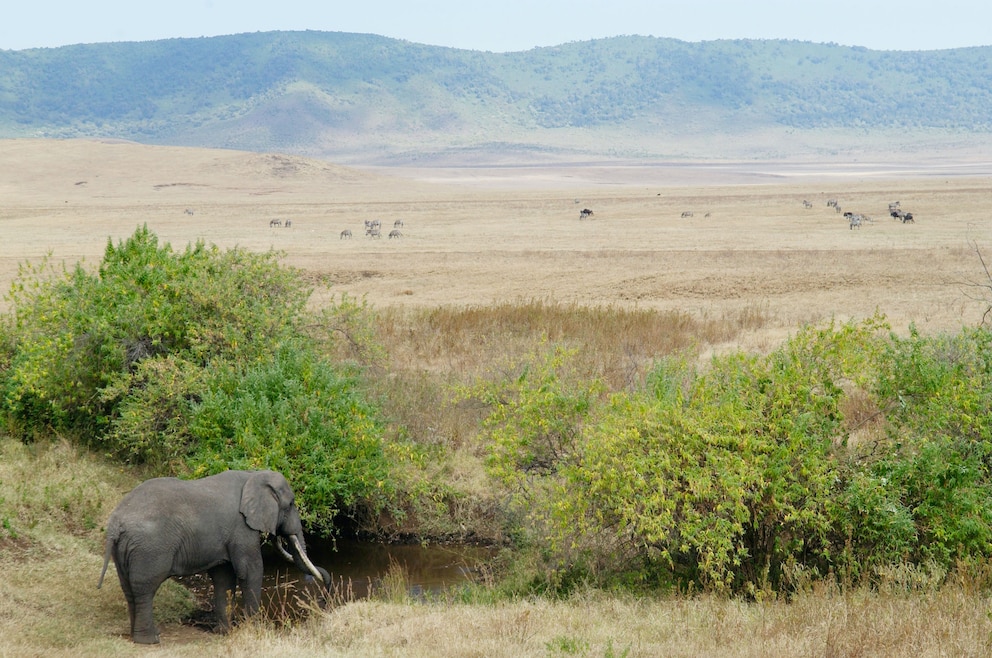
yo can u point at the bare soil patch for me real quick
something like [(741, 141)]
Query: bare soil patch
[(474, 236)]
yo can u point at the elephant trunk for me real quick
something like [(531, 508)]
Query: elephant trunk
[(303, 560)]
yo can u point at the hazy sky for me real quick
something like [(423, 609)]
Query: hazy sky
[(508, 25)]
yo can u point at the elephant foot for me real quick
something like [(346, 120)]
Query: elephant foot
[(146, 638)]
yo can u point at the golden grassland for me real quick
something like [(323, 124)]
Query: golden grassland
[(483, 239), (490, 264)]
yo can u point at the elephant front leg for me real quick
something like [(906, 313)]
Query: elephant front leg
[(224, 581)]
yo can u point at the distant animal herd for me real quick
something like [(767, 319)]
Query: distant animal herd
[(855, 219), (373, 227)]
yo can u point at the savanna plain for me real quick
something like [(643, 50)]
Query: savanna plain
[(486, 264)]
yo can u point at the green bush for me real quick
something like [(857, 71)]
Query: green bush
[(730, 476), (298, 415), (191, 363), (81, 337)]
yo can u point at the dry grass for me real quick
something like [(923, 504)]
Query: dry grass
[(951, 622), (469, 244)]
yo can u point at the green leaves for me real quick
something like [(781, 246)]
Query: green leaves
[(729, 475), (192, 362), (295, 414)]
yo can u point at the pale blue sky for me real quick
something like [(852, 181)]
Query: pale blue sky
[(509, 25)]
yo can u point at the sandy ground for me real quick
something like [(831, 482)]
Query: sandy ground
[(472, 236)]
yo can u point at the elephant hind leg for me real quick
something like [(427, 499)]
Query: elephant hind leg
[(140, 605)]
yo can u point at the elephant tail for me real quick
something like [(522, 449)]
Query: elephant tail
[(106, 561), (108, 550)]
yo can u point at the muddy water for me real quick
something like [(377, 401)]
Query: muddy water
[(359, 569)]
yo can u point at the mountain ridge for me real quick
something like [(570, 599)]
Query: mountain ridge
[(360, 98)]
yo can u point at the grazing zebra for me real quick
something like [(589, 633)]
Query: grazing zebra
[(275, 222), (807, 204), (346, 234), (373, 233), (188, 211), (395, 233), (585, 213)]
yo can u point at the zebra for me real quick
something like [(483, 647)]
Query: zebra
[(398, 223), (373, 232), (855, 221), (687, 213), (346, 234), (288, 223), (807, 204), (275, 222), (395, 233)]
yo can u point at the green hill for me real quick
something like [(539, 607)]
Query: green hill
[(366, 98)]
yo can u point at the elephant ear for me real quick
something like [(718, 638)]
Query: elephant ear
[(260, 500)]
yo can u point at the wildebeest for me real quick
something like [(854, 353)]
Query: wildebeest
[(585, 213), (346, 234), (904, 217)]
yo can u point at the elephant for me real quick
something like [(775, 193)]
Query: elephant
[(170, 527)]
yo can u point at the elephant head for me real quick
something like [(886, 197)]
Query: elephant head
[(268, 505)]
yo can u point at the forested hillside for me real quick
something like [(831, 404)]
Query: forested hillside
[(319, 92)]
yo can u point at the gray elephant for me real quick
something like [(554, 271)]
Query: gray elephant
[(169, 527)]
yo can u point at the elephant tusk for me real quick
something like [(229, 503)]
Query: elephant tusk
[(306, 561), (282, 549)]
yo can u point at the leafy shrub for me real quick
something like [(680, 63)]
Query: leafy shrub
[(733, 476), (298, 415), (192, 363), (80, 337)]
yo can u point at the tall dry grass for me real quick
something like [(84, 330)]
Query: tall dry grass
[(826, 622)]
